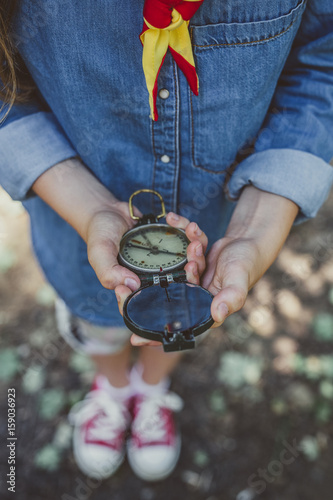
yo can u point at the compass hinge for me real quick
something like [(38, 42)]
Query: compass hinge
[(162, 280)]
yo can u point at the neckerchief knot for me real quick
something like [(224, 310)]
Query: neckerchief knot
[(166, 26)]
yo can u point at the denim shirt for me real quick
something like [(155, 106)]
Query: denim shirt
[(264, 116)]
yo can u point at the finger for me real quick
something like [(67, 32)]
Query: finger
[(216, 325), (102, 256), (195, 254), (211, 261), (230, 292), (176, 220), (194, 233), (192, 230), (122, 292), (123, 209), (137, 212), (192, 273), (138, 341)]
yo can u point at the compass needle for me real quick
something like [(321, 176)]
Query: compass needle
[(147, 239), (166, 291)]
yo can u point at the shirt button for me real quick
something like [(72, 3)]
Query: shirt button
[(164, 93), (165, 158)]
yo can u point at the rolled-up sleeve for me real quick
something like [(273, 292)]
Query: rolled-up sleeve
[(30, 143), (295, 144)]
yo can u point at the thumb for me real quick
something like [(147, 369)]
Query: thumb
[(102, 256), (230, 292)]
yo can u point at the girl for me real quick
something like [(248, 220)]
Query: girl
[(77, 141)]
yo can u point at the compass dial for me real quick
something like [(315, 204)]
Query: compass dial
[(152, 246)]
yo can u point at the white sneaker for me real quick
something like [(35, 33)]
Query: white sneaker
[(101, 423), (154, 446)]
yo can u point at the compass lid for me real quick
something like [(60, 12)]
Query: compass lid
[(170, 312)]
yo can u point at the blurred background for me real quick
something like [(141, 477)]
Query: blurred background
[(258, 416)]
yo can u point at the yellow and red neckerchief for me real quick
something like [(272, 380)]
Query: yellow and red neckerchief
[(166, 26)]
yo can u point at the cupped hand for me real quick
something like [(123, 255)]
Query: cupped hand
[(104, 232), (233, 267), (194, 268), (256, 233)]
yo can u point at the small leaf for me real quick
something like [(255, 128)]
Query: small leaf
[(326, 389), (247, 494), (330, 295), (63, 435), (237, 369), (313, 367), (299, 363), (81, 363), (47, 458), (327, 365), (310, 448), (39, 337), (200, 458), (51, 403), (10, 363), (279, 406), (324, 412), (74, 396), (33, 379), (323, 326), (300, 396), (217, 402)]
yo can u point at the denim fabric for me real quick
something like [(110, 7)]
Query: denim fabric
[(264, 112)]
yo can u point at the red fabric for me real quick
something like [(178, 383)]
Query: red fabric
[(115, 443), (188, 9), (155, 91), (158, 12), (188, 70)]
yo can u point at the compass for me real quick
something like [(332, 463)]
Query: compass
[(152, 245), (166, 307)]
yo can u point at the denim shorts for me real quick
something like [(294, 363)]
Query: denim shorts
[(86, 338)]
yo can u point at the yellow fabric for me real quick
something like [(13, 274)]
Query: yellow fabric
[(155, 44)]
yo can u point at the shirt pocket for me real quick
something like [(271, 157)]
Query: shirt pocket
[(238, 65)]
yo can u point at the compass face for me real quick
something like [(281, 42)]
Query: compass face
[(153, 246)]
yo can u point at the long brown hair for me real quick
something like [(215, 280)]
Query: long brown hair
[(16, 86)]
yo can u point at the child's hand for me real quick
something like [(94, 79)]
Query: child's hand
[(194, 268), (258, 228), (104, 232)]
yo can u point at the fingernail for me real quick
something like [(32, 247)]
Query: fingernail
[(198, 251), (140, 343), (195, 271), (198, 231), (175, 216), (131, 283), (223, 311), (118, 298)]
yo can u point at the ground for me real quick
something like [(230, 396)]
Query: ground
[(257, 421)]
